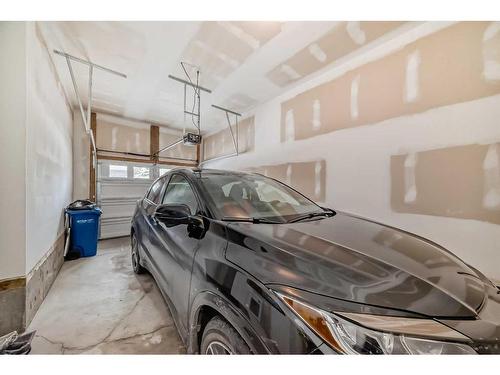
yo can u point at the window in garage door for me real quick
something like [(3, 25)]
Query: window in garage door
[(142, 172), (117, 171), (119, 186)]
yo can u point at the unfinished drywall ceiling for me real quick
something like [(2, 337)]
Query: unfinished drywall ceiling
[(237, 61)]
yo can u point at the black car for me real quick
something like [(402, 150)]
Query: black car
[(249, 265)]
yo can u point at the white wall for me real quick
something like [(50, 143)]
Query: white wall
[(49, 152), (358, 175), (35, 149), (12, 149)]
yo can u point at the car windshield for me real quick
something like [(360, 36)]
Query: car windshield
[(256, 197)]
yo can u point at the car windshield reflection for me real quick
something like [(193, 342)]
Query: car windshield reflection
[(254, 198)]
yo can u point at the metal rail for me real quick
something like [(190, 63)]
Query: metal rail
[(74, 58), (169, 146), (235, 139), (86, 117), (226, 110), (141, 155), (189, 83)]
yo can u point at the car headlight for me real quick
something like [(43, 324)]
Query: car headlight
[(351, 333)]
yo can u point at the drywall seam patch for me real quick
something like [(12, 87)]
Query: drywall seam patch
[(220, 55), (289, 174), (354, 30), (137, 140), (248, 138), (491, 54), (316, 115), (114, 134), (412, 77), (292, 73), (354, 97), (240, 34), (409, 178), (289, 126), (491, 170), (491, 31), (317, 178), (317, 52)]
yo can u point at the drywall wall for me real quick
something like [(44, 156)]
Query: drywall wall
[(458, 181), (12, 149), (119, 135), (388, 127), (115, 134), (223, 142), (168, 137), (443, 68), (49, 153), (36, 170), (81, 162)]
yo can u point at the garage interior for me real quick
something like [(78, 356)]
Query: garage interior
[(392, 121)]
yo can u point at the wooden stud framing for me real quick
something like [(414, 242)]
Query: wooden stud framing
[(154, 142), (138, 160)]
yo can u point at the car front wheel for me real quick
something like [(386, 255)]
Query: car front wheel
[(136, 265), (219, 337)]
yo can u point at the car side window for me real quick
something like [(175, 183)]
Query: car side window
[(180, 192), (155, 191)]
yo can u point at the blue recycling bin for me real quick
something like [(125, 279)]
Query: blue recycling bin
[(84, 233)]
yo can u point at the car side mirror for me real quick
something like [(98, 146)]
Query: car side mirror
[(172, 214)]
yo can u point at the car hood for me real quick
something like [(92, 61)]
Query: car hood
[(361, 261)]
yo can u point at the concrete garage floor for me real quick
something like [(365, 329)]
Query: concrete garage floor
[(98, 305)]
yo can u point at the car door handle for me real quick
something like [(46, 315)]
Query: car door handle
[(155, 220)]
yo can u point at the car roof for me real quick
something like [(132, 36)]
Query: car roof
[(209, 171)]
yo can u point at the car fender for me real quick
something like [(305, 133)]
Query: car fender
[(230, 313)]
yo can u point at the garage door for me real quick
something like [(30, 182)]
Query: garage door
[(119, 186)]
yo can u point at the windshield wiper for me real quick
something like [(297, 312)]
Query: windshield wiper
[(328, 213), (254, 220)]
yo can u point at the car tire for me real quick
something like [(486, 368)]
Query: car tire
[(136, 260), (219, 337)]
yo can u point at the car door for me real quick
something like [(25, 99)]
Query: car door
[(174, 249), (149, 204)]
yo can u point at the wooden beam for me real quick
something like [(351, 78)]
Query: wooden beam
[(138, 160), (92, 182), (154, 142), (166, 162)]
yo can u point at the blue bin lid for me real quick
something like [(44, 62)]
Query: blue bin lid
[(95, 211)]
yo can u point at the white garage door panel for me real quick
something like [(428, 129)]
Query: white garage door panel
[(123, 189), (117, 197), (118, 207)]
